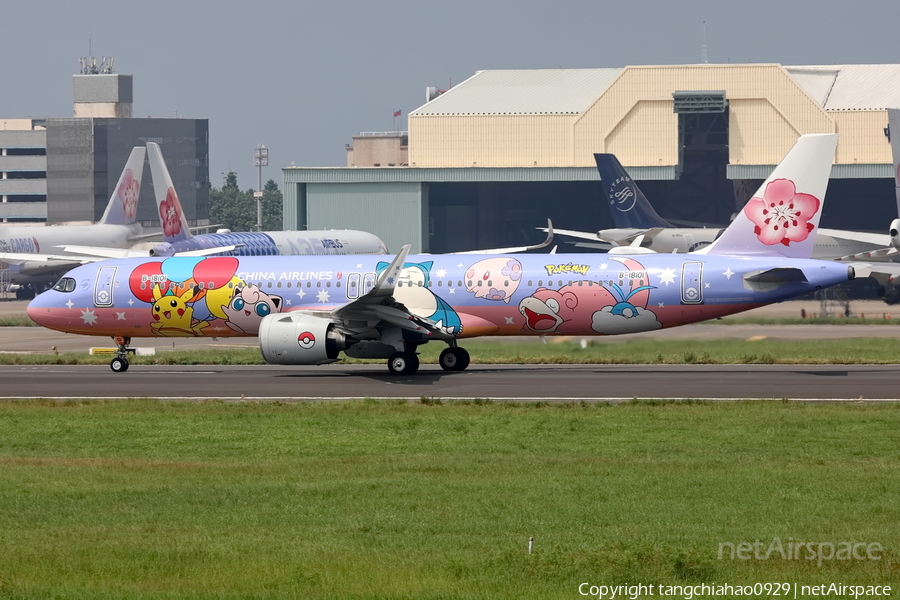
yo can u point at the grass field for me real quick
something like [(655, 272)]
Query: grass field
[(597, 351), (365, 500)]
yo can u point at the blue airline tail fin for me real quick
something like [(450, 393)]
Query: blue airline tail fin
[(629, 207), (171, 216), (782, 218), (122, 207)]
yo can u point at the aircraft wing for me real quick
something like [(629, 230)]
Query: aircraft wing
[(18, 258), (879, 239), (514, 249), (361, 316), (883, 273), (880, 255)]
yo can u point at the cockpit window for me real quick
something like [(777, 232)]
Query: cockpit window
[(66, 284)]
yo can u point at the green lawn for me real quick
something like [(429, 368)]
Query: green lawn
[(364, 499)]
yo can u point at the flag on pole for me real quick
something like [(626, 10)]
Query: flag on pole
[(397, 112)]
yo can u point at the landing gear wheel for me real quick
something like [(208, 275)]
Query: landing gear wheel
[(118, 365), (403, 363), (454, 359)]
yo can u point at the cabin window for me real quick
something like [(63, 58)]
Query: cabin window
[(337, 284), (318, 284), (327, 284), (278, 284), (490, 283)]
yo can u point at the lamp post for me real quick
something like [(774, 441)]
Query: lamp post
[(260, 160)]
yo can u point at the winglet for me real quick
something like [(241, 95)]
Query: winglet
[(387, 281), (629, 207), (782, 218), (171, 215), (122, 206)]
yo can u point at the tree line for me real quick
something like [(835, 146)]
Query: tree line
[(234, 209)]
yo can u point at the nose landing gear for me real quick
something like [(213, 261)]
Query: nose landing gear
[(120, 363)]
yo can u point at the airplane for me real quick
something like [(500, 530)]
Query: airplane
[(178, 239), (639, 229), (307, 310), (24, 248)]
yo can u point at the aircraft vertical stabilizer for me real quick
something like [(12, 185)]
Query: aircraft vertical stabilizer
[(122, 207), (171, 216), (782, 218), (629, 207)]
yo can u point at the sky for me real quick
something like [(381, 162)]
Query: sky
[(303, 77)]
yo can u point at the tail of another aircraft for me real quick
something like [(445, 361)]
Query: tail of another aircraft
[(629, 208), (781, 219), (171, 215), (894, 131), (122, 207)]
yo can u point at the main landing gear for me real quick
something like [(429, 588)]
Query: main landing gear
[(120, 363), (407, 363)]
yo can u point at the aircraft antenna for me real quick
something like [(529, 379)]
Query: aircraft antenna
[(703, 46)]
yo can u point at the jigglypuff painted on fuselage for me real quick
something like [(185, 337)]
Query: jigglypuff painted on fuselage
[(248, 306)]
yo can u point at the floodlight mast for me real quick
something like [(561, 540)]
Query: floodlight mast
[(260, 160)]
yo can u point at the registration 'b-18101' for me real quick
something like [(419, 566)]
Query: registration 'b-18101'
[(309, 309)]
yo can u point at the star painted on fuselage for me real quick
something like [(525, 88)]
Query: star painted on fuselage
[(120, 316), (440, 273), (130, 302), (667, 276), (604, 266), (322, 296), (728, 273), (69, 303), (452, 290), (459, 266), (88, 317), (662, 304), (301, 293), (706, 285), (509, 320)]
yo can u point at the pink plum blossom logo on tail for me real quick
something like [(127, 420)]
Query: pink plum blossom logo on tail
[(170, 214), (782, 215), (129, 191)]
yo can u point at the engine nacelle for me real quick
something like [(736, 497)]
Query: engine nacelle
[(164, 249), (299, 339), (894, 232)]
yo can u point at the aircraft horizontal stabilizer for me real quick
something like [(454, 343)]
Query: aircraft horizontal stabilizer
[(770, 279)]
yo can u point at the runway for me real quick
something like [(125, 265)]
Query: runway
[(553, 383)]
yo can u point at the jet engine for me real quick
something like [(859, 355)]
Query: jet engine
[(300, 339), (894, 232)]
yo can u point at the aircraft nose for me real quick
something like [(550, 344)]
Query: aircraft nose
[(39, 308)]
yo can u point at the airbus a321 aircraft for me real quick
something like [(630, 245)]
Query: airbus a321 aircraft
[(307, 310)]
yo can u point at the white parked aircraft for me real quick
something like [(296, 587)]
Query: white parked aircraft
[(25, 248)]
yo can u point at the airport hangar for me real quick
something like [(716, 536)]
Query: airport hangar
[(486, 162)]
